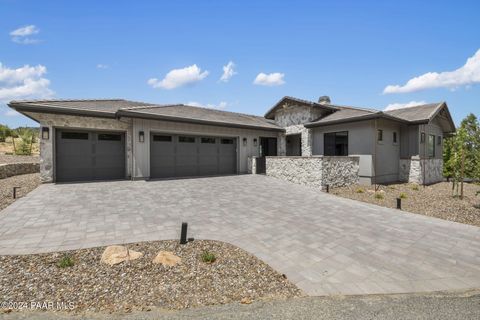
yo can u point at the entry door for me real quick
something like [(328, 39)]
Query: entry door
[(89, 155)]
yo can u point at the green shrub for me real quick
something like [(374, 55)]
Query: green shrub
[(65, 262), (208, 257), (403, 195), (415, 187), (360, 190), (378, 196)]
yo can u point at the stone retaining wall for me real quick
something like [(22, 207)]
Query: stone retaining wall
[(415, 169), (315, 171), (15, 169)]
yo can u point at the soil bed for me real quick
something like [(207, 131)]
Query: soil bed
[(435, 200), (139, 285)]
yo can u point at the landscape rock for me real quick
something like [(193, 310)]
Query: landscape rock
[(167, 258), (117, 254)]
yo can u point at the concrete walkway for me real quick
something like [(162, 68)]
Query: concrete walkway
[(324, 244)]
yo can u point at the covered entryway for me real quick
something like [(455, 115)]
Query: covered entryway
[(190, 156), (89, 155)]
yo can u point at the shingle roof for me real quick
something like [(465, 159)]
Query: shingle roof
[(418, 113), (118, 107), (187, 113), (345, 114)]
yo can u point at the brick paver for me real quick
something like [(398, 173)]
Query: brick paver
[(324, 244)]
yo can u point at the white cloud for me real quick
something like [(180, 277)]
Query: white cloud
[(24, 83), (228, 71), (102, 66), (466, 75), (221, 106), (21, 35), (179, 77), (394, 106), (271, 79)]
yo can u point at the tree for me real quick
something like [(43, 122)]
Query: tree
[(472, 146), (457, 161), (5, 132)]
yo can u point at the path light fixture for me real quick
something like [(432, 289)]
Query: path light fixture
[(183, 233), (141, 136), (399, 203), (15, 192), (45, 133), (244, 142)]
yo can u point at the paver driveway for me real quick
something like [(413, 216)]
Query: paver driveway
[(323, 243)]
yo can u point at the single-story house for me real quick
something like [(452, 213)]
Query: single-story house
[(82, 140)]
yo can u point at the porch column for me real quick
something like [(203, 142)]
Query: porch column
[(281, 144), (306, 142)]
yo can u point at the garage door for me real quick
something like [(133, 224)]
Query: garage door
[(88, 155), (188, 156)]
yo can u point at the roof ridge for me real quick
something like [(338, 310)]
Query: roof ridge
[(150, 106), (437, 104), (64, 100), (355, 108)]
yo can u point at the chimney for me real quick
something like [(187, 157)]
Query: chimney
[(324, 100)]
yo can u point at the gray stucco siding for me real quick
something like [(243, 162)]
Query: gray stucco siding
[(141, 160)]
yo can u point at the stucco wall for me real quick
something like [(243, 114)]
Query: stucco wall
[(57, 121), (415, 169), (315, 171)]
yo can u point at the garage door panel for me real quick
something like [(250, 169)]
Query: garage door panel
[(83, 156), (192, 156), (162, 156)]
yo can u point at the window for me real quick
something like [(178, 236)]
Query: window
[(422, 137), (379, 135), (75, 135), (208, 140), (336, 143), (161, 138), (109, 137), (439, 140), (431, 146), (185, 139), (394, 137), (226, 141)]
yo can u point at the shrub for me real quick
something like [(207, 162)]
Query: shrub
[(403, 195), (65, 262), (360, 190), (415, 187), (208, 257), (378, 196)]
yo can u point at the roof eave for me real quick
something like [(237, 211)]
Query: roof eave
[(20, 107), (133, 114), (355, 119)]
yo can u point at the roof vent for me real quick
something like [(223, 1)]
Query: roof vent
[(324, 99)]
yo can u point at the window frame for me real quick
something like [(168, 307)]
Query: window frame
[(335, 134), (186, 139), (75, 135), (395, 137), (439, 140), (431, 144), (380, 135), (161, 138)]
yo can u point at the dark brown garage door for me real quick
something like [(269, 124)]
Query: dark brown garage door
[(188, 156), (89, 155)]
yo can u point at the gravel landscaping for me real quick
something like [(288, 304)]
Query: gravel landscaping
[(89, 285), (435, 200), (6, 158), (26, 182)]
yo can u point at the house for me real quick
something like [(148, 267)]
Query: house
[(85, 140)]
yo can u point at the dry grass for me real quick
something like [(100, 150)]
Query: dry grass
[(7, 146), (434, 200)]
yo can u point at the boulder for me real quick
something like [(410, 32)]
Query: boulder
[(117, 254), (167, 258)]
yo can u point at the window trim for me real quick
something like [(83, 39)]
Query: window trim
[(380, 135), (395, 137), (208, 140), (431, 155), (160, 139), (78, 134), (187, 139), (335, 143)]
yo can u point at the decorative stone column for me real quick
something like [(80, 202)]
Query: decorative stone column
[(306, 142), (282, 144)]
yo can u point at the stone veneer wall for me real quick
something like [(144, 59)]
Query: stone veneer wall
[(315, 171), (15, 169), (413, 170), (85, 123)]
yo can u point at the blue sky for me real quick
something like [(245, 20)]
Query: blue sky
[(349, 50)]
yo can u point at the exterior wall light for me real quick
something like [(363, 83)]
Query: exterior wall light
[(141, 136), (244, 142), (45, 133), (255, 142)]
